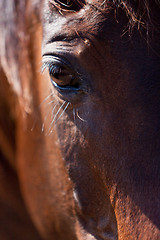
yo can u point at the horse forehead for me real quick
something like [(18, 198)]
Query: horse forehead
[(90, 19)]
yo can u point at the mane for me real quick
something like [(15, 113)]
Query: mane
[(141, 13), (15, 25)]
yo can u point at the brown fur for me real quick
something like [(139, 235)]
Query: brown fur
[(97, 175)]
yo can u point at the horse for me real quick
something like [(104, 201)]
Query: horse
[(79, 119)]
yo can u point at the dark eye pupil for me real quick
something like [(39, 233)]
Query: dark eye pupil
[(55, 71), (62, 76)]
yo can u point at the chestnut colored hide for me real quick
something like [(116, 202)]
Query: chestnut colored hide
[(79, 120)]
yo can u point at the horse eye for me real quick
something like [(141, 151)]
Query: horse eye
[(62, 77), (68, 5)]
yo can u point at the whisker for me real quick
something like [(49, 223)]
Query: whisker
[(33, 125), (55, 117), (45, 99), (59, 110), (43, 125), (74, 114), (63, 111), (80, 117), (50, 102), (61, 115), (53, 110), (42, 128)]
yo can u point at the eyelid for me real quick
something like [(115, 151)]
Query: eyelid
[(62, 82), (49, 60), (53, 58)]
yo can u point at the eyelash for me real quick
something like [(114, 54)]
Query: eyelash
[(46, 65), (61, 76), (74, 6)]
